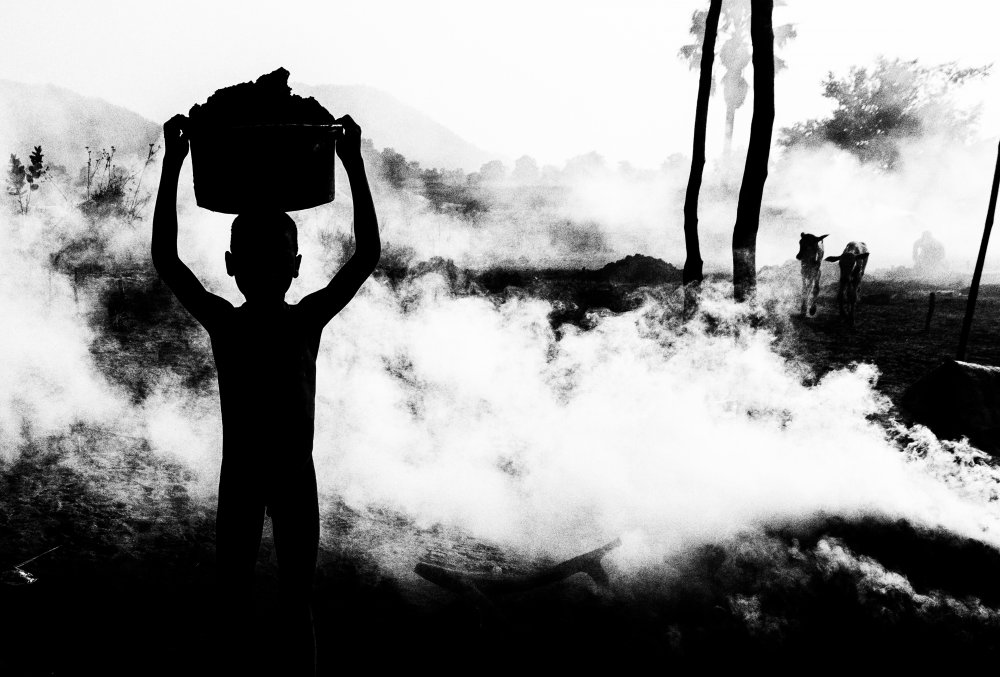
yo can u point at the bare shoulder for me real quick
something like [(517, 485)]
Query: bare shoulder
[(213, 312)]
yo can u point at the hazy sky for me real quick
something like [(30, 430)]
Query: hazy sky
[(549, 78)]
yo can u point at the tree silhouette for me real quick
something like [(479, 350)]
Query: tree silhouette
[(525, 170), (23, 179), (693, 262), (758, 152), (492, 172), (395, 170), (734, 53), (880, 105)]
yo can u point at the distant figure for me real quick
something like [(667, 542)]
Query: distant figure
[(811, 256), (928, 255), (853, 261), (265, 353)]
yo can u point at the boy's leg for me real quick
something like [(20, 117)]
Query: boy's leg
[(238, 526), (295, 519)]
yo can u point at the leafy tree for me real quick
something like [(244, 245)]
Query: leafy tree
[(879, 106), (588, 164), (734, 52), (393, 167), (23, 180), (453, 177), (395, 170), (445, 189), (441, 188), (525, 170), (492, 172)]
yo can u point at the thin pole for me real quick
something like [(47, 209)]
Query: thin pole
[(970, 307), (29, 561)]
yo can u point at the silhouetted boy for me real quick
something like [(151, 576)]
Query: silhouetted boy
[(265, 353)]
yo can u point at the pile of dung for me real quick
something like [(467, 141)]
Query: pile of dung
[(267, 101)]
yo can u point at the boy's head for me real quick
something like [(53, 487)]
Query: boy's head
[(263, 254)]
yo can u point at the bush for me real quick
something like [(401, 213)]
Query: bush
[(113, 190), (23, 180)]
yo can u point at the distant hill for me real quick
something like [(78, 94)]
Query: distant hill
[(64, 122), (390, 123)]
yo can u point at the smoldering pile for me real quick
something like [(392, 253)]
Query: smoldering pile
[(266, 101)]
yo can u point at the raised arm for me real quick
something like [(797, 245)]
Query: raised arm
[(327, 302), (189, 291)]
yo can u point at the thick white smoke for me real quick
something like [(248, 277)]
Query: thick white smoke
[(465, 412), (588, 219), (940, 186), (47, 379), (469, 411)]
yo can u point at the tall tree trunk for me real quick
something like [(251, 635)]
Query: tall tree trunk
[(730, 123), (693, 263), (758, 151)]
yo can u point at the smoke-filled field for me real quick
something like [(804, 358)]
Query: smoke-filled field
[(522, 381), (771, 501)]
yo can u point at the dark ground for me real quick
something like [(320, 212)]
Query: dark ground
[(129, 590), (891, 334)]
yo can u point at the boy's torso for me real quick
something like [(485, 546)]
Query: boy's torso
[(266, 362)]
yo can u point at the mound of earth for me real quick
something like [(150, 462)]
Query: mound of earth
[(641, 269)]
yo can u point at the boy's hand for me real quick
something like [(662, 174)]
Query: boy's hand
[(175, 140), (349, 143)]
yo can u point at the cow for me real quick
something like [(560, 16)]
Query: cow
[(852, 268), (811, 255)]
